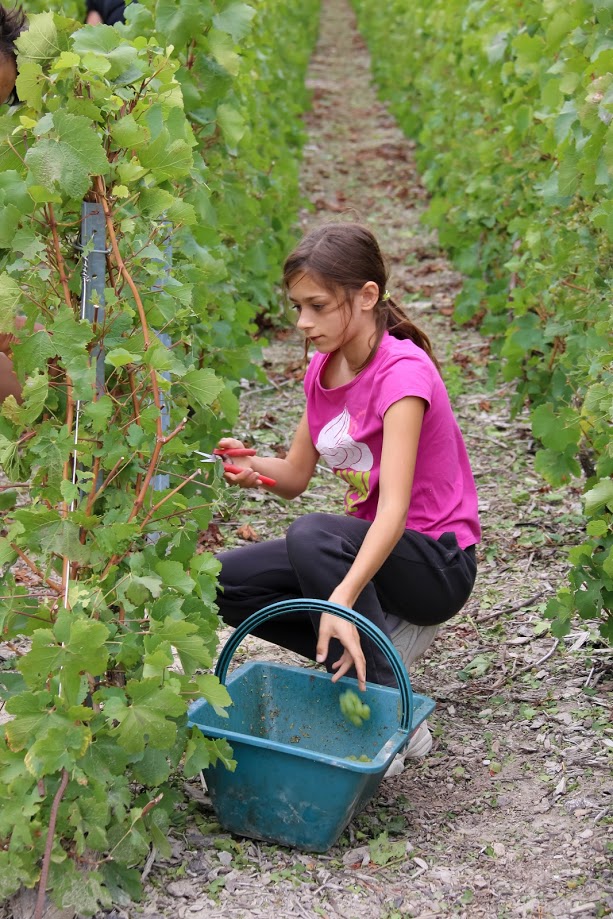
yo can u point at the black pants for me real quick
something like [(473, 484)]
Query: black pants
[(424, 581)]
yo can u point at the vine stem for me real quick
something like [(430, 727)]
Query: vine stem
[(121, 267), (114, 471), (194, 507), (135, 402), (148, 806), (61, 267), (92, 494), (191, 57), (44, 872), (160, 442), (583, 290), (58, 588), (123, 271), (558, 347), (168, 496), (21, 612)]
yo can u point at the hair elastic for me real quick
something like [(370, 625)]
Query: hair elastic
[(386, 295)]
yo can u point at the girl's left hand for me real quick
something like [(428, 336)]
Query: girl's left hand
[(331, 626)]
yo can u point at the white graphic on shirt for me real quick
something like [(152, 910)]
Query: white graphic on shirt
[(351, 460), (338, 447)]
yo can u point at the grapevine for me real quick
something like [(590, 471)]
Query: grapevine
[(165, 128), (526, 210)]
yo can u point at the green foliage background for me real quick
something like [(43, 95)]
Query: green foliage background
[(183, 125), (512, 106)]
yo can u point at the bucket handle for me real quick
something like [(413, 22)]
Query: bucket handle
[(323, 606)]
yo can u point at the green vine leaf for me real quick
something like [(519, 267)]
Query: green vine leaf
[(33, 352), (167, 158), (232, 125), (69, 157), (214, 692), (10, 299), (173, 575), (598, 497), (31, 711), (193, 651), (80, 891), (40, 42), (129, 133), (202, 752), (30, 84), (12, 874), (146, 718), (57, 749), (181, 22), (235, 19), (202, 386)]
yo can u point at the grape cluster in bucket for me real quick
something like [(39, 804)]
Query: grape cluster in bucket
[(353, 709)]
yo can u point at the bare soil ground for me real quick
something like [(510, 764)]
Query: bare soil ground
[(509, 816)]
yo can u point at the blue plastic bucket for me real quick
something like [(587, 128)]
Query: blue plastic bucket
[(298, 779)]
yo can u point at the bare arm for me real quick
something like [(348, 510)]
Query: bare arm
[(8, 339), (401, 429), (292, 474)]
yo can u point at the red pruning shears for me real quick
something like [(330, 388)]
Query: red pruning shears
[(228, 467)]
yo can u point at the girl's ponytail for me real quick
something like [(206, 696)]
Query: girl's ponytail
[(392, 318)]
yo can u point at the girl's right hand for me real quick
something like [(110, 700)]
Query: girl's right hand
[(248, 478), (331, 626)]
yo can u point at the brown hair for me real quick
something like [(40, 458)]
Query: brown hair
[(347, 256), (12, 24)]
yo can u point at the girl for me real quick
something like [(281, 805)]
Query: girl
[(378, 413)]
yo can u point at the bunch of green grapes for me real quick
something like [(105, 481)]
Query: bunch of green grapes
[(353, 708)]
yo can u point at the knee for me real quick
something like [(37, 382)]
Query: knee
[(304, 535), (231, 573)]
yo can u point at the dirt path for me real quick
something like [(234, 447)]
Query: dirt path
[(508, 816)]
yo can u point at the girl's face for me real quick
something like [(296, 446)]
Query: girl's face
[(325, 316), (8, 75)]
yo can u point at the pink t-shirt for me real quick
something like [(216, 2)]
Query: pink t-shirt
[(346, 425)]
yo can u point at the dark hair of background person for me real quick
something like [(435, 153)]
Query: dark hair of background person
[(347, 256)]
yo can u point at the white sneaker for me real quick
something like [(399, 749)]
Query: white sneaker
[(411, 641), (420, 742), (419, 745)]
